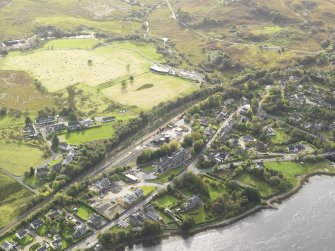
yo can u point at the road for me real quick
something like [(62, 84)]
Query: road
[(115, 158), (192, 167), (93, 238), (19, 180)]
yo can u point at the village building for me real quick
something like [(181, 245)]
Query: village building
[(159, 69), (87, 123), (56, 244), (73, 125), (294, 148), (69, 158), (108, 119), (79, 230), (151, 213), (204, 122), (30, 132), (42, 248), (57, 167), (131, 177), (45, 120), (270, 131), (42, 172), (21, 233), (130, 199), (36, 224), (192, 203), (171, 162), (137, 219), (95, 221), (139, 192), (7, 246), (103, 184)]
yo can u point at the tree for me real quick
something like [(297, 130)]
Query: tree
[(187, 224), (28, 121), (32, 171), (151, 228), (90, 62), (124, 84), (105, 238), (55, 142)]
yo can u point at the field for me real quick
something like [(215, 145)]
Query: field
[(24, 16), (18, 158), (160, 88), (291, 170), (17, 90), (88, 135), (108, 62), (12, 197)]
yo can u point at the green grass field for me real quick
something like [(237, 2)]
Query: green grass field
[(12, 198), (108, 62), (88, 135), (163, 88), (71, 44), (18, 158), (291, 170)]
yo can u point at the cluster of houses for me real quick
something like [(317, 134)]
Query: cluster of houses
[(30, 132), (174, 161), (133, 197), (70, 151)]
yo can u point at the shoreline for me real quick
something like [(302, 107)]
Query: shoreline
[(278, 199)]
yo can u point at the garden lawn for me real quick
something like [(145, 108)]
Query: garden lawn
[(84, 212), (88, 135), (264, 189), (17, 159), (198, 214), (280, 136), (166, 201), (291, 170), (148, 189), (163, 178), (147, 169)]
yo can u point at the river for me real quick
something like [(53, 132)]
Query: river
[(306, 221)]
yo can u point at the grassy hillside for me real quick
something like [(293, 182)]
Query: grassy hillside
[(12, 199)]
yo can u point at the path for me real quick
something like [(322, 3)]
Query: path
[(19, 179), (231, 42)]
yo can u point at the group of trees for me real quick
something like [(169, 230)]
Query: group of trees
[(192, 183), (150, 229), (165, 149), (234, 201), (272, 177)]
